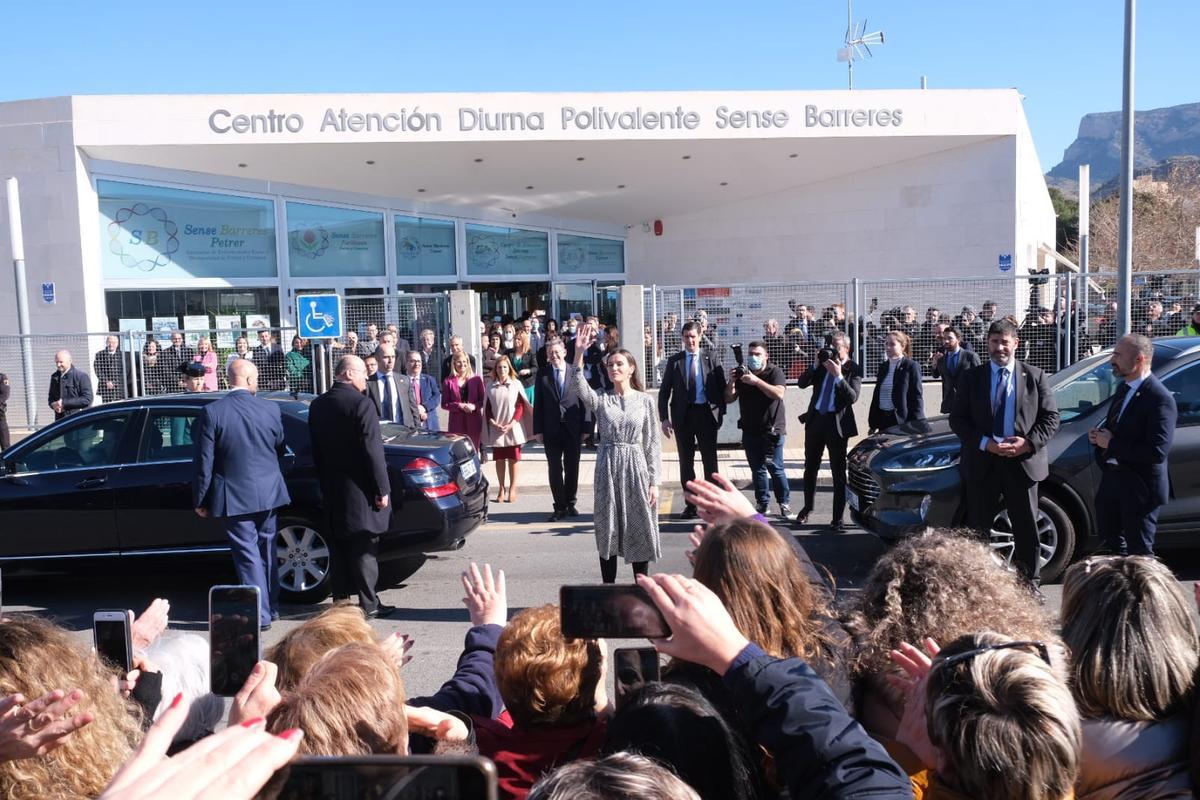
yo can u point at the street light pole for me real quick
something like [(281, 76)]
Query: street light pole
[(1125, 247)]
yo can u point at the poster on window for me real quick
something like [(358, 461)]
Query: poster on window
[(163, 327), (254, 323), (156, 233), (324, 241), (195, 327), (136, 328), (228, 327)]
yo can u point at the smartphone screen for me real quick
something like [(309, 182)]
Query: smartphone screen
[(610, 611), (379, 777), (232, 636), (111, 631), (633, 667)]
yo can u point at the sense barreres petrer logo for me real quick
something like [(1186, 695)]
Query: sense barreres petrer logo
[(309, 242), (143, 237)]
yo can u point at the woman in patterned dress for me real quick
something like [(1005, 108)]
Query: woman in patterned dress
[(628, 461)]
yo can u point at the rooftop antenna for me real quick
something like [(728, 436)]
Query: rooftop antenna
[(858, 41)]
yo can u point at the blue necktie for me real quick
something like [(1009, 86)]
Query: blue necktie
[(558, 377), (954, 361), (387, 396), (1000, 403), (825, 405)]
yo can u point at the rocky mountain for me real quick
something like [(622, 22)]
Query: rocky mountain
[(1160, 134), (1179, 174)]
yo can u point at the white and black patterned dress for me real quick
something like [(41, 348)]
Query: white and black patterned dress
[(628, 463)]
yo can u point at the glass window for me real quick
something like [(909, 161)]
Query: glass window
[(1090, 387), (150, 233), (168, 436), (584, 255), (95, 443), (324, 241), (424, 246), (164, 309), (1185, 386), (507, 251)]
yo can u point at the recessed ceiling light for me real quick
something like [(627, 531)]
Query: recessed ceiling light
[(620, 186), (685, 158), (724, 183), (479, 161), (579, 158), (793, 155), (527, 188), (420, 190), (370, 162), (243, 166)]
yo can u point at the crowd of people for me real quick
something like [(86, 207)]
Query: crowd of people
[(944, 677)]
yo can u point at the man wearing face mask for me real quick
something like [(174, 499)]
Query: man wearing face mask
[(759, 387)]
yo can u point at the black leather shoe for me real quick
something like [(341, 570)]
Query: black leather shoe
[(837, 526), (555, 517), (689, 512), (571, 512), (381, 612), (802, 516)]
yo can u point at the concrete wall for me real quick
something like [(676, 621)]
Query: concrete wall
[(37, 147), (950, 213)]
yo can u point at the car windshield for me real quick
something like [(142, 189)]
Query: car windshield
[(1082, 387)]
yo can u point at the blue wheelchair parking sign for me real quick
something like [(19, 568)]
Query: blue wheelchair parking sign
[(319, 316)]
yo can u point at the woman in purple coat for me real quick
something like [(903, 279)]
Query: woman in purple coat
[(463, 396)]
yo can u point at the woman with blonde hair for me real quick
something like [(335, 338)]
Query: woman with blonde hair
[(36, 658), (943, 585), (898, 396), (208, 357), (505, 408), (1130, 628), (463, 396), (524, 363)]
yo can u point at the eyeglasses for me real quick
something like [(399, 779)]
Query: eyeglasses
[(958, 658)]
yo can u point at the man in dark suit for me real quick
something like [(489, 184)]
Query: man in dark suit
[(70, 389), (427, 394), (558, 418), (268, 357), (348, 452), (392, 390), (691, 402), (829, 423), (1132, 448), (456, 346), (1004, 414), (109, 371), (5, 391), (951, 362), (239, 441)]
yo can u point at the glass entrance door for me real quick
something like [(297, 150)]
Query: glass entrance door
[(498, 301), (574, 299)]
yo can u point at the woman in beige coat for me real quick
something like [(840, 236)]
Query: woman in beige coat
[(504, 409)]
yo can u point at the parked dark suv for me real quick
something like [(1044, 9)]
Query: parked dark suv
[(906, 479), (114, 481)]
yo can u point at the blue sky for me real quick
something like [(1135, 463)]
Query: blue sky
[(1063, 55)]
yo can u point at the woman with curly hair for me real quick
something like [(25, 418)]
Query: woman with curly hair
[(942, 585), (37, 657)]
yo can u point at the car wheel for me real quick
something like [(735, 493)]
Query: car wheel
[(1056, 538), (304, 561)]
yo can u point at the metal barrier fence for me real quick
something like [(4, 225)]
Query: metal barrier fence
[(411, 315)]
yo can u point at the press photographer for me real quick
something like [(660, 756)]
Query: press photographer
[(758, 386)]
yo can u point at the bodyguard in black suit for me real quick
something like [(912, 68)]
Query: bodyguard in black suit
[(238, 442), (70, 389), (558, 415), (392, 391), (829, 423), (691, 402), (900, 377), (1004, 414), (348, 452), (950, 363), (1131, 448)]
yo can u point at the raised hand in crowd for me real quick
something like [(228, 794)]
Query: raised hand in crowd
[(29, 729), (258, 695), (397, 646), (702, 631), (233, 764), (436, 724), (913, 731), (487, 597), (150, 624), (696, 537), (719, 502)]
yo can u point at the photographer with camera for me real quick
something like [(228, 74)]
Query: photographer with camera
[(829, 422), (759, 386)]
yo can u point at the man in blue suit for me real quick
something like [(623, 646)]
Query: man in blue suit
[(1132, 447), (239, 441), (427, 394)]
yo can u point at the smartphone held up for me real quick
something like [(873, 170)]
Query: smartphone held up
[(610, 611), (233, 637)]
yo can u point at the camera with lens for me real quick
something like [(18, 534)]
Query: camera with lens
[(739, 370), (825, 353)]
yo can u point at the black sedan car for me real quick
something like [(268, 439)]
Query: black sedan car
[(906, 479), (114, 481)]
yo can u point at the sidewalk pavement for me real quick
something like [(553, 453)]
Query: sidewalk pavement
[(731, 463)]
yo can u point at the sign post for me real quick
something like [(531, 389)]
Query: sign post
[(319, 317)]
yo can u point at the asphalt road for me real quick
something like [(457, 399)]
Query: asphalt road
[(536, 556)]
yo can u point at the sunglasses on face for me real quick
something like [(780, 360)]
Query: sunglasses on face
[(958, 658)]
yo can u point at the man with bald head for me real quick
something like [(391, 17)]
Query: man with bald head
[(347, 449), (238, 443), (70, 389), (109, 369)]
